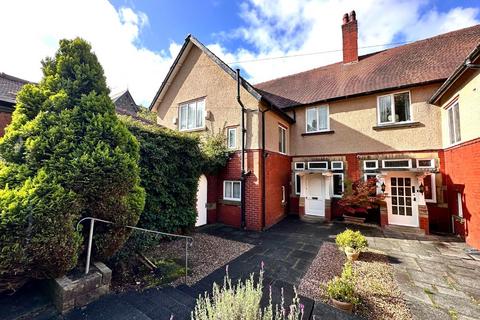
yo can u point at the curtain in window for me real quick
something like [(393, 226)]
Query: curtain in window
[(312, 120), (385, 109), (191, 115), (456, 113), (231, 138), (183, 117), (200, 116), (451, 126), (323, 118), (402, 106), (236, 190), (228, 189)]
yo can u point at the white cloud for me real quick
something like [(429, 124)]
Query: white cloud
[(31, 30), (272, 28)]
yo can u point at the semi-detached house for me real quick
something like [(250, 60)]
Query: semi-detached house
[(408, 116)]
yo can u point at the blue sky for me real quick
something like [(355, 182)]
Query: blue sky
[(137, 40)]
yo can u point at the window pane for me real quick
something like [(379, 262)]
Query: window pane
[(402, 107), (236, 190), (232, 133), (200, 116), (191, 115), (298, 185), (281, 140), (323, 118), (183, 117), (312, 124), (385, 109), (427, 187), (337, 184), (451, 129), (456, 113), (228, 189)]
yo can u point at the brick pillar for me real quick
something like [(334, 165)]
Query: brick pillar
[(423, 217), (383, 214), (301, 206), (328, 209)]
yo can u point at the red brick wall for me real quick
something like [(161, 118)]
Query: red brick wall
[(462, 172), (277, 174), (294, 203), (253, 191), (353, 167), (5, 119)]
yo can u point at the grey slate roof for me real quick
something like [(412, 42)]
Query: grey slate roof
[(9, 87)]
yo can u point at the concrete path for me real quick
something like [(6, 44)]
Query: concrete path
[(438, 278)]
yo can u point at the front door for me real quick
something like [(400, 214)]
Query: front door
[(402, 204), (202, 201), (315, 196)]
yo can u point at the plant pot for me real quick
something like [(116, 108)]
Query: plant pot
[(344, 306), (351, 254)]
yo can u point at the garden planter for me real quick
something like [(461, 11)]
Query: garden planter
[(351, 254), (344, 306)]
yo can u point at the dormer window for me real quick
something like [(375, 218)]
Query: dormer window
[(192, 115), (394, 108)]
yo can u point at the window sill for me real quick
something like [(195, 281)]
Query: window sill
[(397, 125), (193, 130), (318, 133), (230, 202)]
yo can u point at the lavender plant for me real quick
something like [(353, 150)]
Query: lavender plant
[(241, 301)]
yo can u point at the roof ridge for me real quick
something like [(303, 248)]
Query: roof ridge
[(447, 34), (13, 78)]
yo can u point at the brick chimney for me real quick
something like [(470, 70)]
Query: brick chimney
[(350, 37)]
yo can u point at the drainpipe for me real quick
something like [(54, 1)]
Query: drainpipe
[(243, 173), (264, 158)]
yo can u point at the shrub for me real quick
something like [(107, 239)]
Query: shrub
[(65, 155), (242, 301), (351, 239), (361, 196), (343, 288), (215, 152)]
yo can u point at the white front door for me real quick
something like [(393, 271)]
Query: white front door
[(202, 201), (315, 196), (402, 200)]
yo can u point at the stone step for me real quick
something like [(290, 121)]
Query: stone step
[(312, 219), (404, 229)]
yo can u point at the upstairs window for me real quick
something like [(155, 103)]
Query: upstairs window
[(394, 108), (318, 119), (192, 115), (454, 123), (282, 139), (232, 138)]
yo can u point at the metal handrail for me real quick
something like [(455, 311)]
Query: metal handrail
[(188, 239)]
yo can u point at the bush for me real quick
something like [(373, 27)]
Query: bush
[(351, 239), (343, 288), (242, 301), (65, 155), (215, 152)]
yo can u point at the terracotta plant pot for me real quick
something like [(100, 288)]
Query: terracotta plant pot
[(344, 306), (351, 254)]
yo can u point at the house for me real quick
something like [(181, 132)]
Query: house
[(305, 135), (9, 86), (124, 102)]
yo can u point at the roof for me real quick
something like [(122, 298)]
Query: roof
[(421, 62), (472, 57), (177, 64), (9, 87), (118, 95)]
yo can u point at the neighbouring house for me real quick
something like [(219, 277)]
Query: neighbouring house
[(9, 86), (307, 134), (124, 102)]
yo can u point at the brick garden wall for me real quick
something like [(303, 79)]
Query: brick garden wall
[(277, 174)]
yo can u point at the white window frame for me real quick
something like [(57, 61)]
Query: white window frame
[(284, 195), (409, 163), (431, 166), (283, 137), (333, 186), (336, 162), (393, 108), (299, 168), (298, 184), (459, 205), (450, 142), (368, 168), (234, 130), (434, 190), (316, 108), (311, 162), (185, 105), (365, 178), (232, 182)]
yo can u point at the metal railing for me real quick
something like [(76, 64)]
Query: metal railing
[(188, 240)]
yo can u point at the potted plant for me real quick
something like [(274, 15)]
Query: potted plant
[(341, 290), (359, 198), (352, 243)]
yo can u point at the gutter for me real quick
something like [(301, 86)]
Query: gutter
[(243, 173)]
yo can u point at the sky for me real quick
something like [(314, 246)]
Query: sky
[(137, 40)]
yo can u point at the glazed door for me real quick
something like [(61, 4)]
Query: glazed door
[(403, 207), (315, 196)]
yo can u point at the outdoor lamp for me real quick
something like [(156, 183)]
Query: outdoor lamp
[(421, 188), (383, 187)]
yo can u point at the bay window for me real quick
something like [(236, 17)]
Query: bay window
[(317, 119), (394, 108)]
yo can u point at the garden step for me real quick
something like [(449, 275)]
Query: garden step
[(194, 293), (404, 229), (180, 296)]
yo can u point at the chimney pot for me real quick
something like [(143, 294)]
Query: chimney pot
[(350, 38)]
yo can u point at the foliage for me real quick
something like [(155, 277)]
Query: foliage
[(343, 288), (215, 152), (65, 155), (361, 196), (145, 113), (351, 239), (242, 302)]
